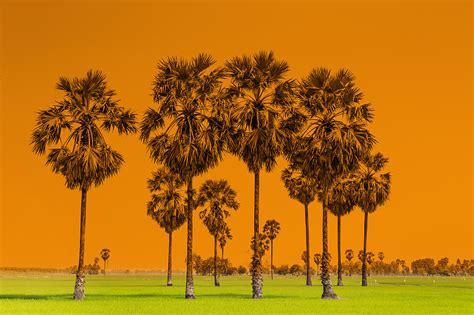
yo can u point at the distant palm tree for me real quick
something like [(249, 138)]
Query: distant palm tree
[(74, 126), (317, 261), (303, 189), (334, 137), (341, 202), (224, 235), (381, 256), (167, 207), (217, 198), (271, 229), (349, 255), (105, 254), (373, 190), (263, 107), (187, 140)]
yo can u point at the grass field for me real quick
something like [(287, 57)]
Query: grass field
[(144, 294)]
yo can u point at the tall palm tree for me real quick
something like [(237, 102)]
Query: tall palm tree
[(373, 190), (224, 235), (72, 129), (334, 137), (167, 207), (105, 255), (217, 198), (271, 229), (182, 133), (303, 189), (341, 202), (262, 101)]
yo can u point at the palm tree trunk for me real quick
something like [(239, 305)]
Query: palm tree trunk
[(271, 258), (339, 264), (364, 260), (189, 248), (328, 293), (222, 259), (216, 276), (104, 267), (169, 281), (79, 287), (308, 260), (257, 278)]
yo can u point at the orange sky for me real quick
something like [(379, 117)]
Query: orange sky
[(412, 60)]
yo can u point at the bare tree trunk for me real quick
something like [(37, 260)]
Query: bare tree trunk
[(308, 260), (257, 278), (271, 258), (364, 258), (169, 281), (328, 293), (216, 276), (189, 248), (79, 287), (339, 264)]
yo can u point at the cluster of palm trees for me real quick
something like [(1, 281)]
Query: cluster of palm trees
[(248, 108)]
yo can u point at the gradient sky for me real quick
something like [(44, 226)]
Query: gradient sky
[(413, 61)]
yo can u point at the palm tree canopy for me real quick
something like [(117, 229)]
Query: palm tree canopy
[(224, 235), (167, 205), (263, 106), (105, 253), (271, 229), (373, 186), (335, 134), (184, 133), (217, 198), (74, 125), (341, 198), (299, 186)]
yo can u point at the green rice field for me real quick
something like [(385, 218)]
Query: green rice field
[(23, 293)]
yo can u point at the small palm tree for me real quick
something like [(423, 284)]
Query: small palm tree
[(317, 261), (262, 103), (184, 133), (105, 254), (271, 229), (167, 207), (217, 198), (303, 189), (373, 190), (349, 256), (224, 235), (381, 256), (74, 127), (332, 140), (341, 202)]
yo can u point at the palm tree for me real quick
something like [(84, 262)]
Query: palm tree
[(271, 229), (167, 207), (72, 128), (349, 255), (262, 102), (105, 254), (381, 256), (317, 261), (224, 235), (373, 190), (217, 198), (341, 202), (182, 133), (304, 190), (334, 137)]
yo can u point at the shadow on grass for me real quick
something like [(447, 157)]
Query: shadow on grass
[(131, 296)]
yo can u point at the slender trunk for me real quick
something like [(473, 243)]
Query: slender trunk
[(339, 264), (364, 257), (271, 258), (308, 260), (216, 276), (257, 278), (328, 293), (104, 266), (222, 259), (79, 287), (189, 248), (169, 281)]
